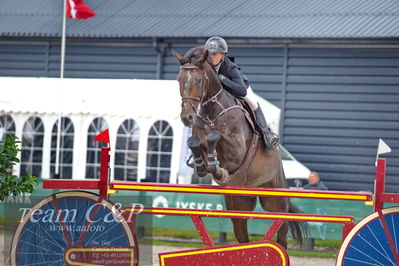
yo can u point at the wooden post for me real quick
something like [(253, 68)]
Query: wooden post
[(104, 166), (379, 186)]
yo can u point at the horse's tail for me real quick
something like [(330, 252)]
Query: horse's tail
[(299, 230)]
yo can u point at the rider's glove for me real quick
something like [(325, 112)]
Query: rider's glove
[(222, 77)]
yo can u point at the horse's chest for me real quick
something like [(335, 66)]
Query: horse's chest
[(203, 132), (207, 129)]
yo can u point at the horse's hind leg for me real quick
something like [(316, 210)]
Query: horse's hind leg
[(193, 143), (282, 234), (240, 203), (277, 205)]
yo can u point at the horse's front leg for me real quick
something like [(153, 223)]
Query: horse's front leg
[(194, 144), (220, 175)]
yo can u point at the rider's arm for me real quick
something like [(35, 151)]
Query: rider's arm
[(234, 83)]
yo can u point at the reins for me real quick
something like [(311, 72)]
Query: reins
[(213, 99)]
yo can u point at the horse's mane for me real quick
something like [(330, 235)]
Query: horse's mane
[(194, 54)]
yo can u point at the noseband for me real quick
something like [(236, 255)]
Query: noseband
[(202, 104)]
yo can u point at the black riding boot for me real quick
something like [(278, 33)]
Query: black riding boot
[(269, 138)]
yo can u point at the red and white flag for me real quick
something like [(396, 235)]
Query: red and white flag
[(79, 10)]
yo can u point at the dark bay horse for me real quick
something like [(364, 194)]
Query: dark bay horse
[(225, 144)]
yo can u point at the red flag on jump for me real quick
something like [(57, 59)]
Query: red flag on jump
[(103, 136), (78, 9)]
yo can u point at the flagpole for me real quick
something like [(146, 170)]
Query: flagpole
[(63, 41), (63, 38)]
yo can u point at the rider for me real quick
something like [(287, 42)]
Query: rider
[(237, 84)]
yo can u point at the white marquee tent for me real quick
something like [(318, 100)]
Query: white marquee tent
[(82, 100)]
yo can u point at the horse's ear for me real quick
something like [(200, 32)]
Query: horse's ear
[(178, 57), (203, 58)]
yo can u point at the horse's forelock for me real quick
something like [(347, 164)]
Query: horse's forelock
[(193, 55), (195, 52)]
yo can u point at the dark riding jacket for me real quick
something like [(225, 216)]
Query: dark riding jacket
[(319, 186), (233, 81)]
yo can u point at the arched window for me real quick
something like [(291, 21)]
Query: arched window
[(94, 148), (66, 149), (7, 126), (159, 152), (127, 151), (32, 147)]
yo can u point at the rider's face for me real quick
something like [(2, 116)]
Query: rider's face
[(216, 58)]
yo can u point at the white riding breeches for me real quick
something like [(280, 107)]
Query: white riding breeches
[(250, 99)]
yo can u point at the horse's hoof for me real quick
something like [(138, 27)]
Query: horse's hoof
[(223, 177), (218, 175), (214, 169), (201, 171)]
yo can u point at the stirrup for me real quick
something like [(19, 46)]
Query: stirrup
[(272, 142), (275, 140)]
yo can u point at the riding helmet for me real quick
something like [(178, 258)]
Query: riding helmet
[(216, 44)]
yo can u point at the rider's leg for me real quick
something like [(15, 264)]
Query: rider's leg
[(269, 138), (250, 99)]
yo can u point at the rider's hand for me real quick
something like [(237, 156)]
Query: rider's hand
[(222, 77)]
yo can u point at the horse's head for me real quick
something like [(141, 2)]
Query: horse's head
[(194, 78)]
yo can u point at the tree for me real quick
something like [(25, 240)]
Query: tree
[(11, 184)]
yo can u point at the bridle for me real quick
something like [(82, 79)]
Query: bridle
[(202, 103), (197, 99)]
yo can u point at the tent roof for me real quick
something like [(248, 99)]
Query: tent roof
[(128, 98)]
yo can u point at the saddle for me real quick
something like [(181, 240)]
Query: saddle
[(249, 114)]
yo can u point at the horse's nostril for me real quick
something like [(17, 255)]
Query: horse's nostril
[(190, 118)]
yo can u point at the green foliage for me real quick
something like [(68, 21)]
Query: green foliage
[(11, 184), (328, 243), (314, 254)]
